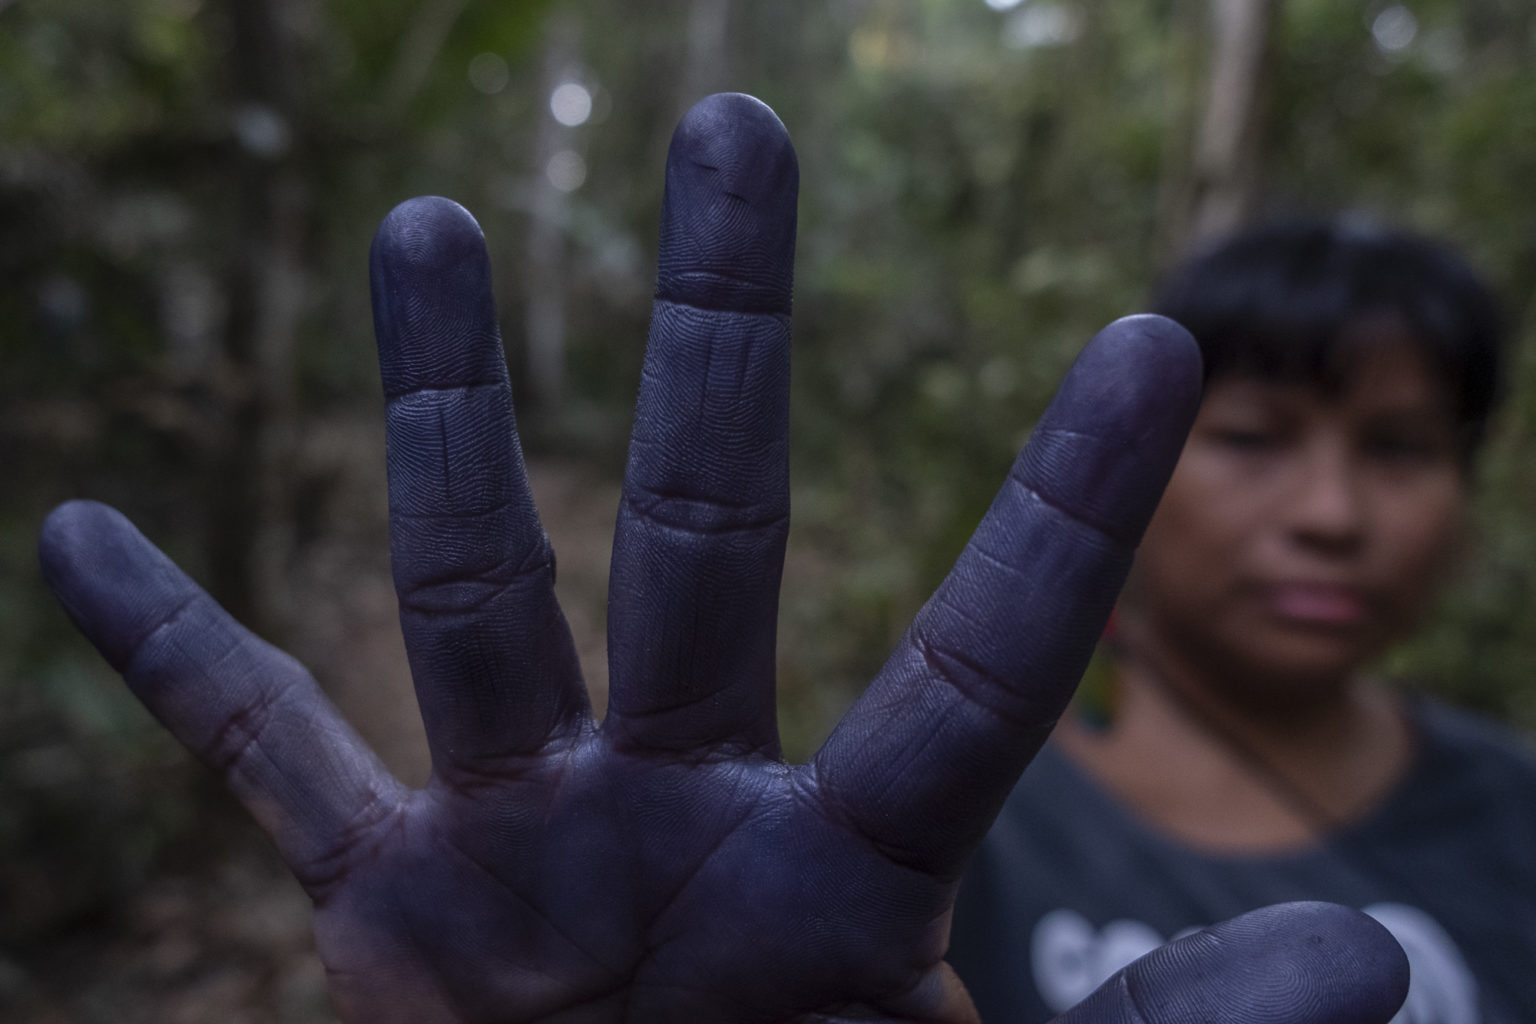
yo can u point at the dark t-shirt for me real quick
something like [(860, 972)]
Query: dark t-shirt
[(1069, 886)]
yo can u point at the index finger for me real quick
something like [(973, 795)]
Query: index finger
[(923, 761), (699, 543)]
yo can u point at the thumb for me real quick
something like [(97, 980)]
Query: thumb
[(1294, 963)]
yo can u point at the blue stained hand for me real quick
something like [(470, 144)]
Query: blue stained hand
[(665, 865)]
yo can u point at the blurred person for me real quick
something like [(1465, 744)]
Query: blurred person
[(1231, 747), (666, 865)]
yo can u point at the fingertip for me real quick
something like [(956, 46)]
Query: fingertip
[(1365, 968), (1112, 435), (1142, 377), (1312, 963), (66, 534), (728, 218), (429, 236), (434, 315), (113, 583), (729, 111), (1143, 336), (421, 231)]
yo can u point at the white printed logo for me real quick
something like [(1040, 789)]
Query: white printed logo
[(1442, 989), (1070, 959)]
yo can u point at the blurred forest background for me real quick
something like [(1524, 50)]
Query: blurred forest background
[(187, 193)]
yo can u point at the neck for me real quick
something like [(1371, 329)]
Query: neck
[(1293, 721), (1223, 770)]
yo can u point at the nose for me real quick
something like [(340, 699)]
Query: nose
[(1327, 503)]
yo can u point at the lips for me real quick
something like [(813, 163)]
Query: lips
[(1331, 605)]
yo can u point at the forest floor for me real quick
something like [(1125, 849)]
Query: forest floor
[(226, 937)]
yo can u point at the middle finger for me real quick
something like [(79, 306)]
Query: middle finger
[(699, 545)]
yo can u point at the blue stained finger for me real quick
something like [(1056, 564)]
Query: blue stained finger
[(1296, 963), (699, 544), (728, 213), (925, 758), (495, 669), (245, 708)]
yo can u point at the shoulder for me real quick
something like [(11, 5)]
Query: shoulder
[(1470, 742), (1472, 775)]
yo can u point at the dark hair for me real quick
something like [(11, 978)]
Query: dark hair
[(1290, 301)]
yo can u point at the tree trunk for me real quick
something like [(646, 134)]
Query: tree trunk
[(1228, 156), (253, 378), (707, 65), (544, 324)]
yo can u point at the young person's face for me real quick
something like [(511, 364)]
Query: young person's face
[(1303, 532)]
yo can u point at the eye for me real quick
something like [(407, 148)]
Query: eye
[(1404, 447), (1247, 439)]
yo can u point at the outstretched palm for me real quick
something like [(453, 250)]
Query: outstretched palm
[(666, 865)]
